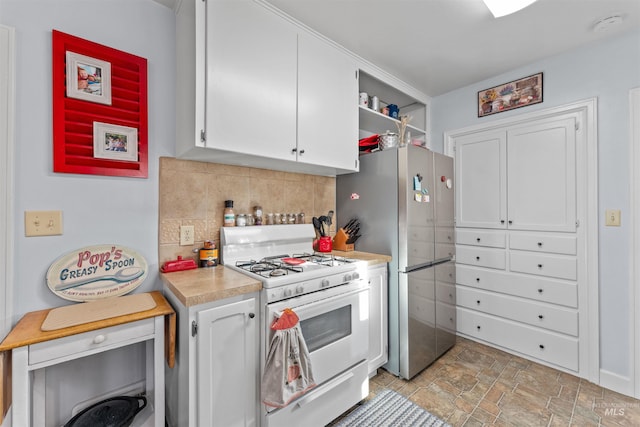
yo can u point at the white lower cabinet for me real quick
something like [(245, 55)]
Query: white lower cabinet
[(378, 317), (215, 380)]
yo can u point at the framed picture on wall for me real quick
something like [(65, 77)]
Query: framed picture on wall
[(508, 96), (115, 142), (88, 78)]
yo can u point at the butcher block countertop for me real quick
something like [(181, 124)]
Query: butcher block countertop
[(202, 285)]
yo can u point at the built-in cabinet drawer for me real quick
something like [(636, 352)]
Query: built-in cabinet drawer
[(547, 316), (494, 239), (91, 342), (551, 347), (521, 285), (560, 266), (541, 242), (481, 257), (446, 316)]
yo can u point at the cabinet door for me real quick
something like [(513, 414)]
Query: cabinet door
[(327, 105), (227, 366), (250, 80), (541, 175), (378, 316), (481, 180)]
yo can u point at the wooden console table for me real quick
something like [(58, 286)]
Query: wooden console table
[(33, 350)]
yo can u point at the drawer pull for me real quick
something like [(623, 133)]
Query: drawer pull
[(510, 222), (540, 316), (540, 291), (252, 315), (541, 347), (450, 319), (539, 244), (478, 279), (478, 327), (478, 240), (502, 221), (539, 265), (477, 258), (478, 302), (99, 339), (450, 296)]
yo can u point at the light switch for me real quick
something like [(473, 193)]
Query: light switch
[(612, 217), (42, 223)]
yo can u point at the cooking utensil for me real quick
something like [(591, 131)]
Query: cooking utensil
[(114, 412), (318, 226)]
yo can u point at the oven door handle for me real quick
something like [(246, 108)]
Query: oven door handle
[(326, 388)]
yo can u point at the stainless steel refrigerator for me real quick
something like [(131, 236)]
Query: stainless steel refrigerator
[(404, 199)]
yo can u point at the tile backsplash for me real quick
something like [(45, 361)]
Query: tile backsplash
[(193, 193)]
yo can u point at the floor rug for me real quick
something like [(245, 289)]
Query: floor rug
[(390, 409)]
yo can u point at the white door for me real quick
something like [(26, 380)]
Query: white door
[(541, 176), (481, 188), (227, 365), (251, 80), (327, 105)]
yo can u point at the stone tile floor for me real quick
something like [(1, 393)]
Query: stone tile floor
[(476, 385)]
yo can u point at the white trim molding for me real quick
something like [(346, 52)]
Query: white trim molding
[(634, 202), (586, 112), (7, 107)]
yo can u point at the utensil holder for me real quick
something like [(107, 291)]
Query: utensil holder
[(340, 242)]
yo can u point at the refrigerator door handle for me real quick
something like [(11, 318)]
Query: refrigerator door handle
[(416, 267)]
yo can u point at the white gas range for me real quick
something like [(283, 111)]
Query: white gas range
[(332, 303)]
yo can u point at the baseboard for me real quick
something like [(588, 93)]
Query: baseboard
[(617, 383)]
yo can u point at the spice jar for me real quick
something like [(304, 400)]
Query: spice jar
[(229, 215), (291, 218), (241, 220), (208, 254), (257, 215), (300, 219), (270, 218), (276, 218)]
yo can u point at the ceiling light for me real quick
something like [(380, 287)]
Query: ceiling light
[(505, 7)]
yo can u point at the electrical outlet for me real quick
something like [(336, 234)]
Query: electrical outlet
[(187, 235), (42, 223), (612, 217)]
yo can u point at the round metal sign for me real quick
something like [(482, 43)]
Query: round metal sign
[(96, 272)]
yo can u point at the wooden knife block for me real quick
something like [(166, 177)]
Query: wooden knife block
[(340, 242)]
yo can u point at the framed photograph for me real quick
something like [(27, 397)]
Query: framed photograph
[(508, 96), (115, 142), (88, 78)]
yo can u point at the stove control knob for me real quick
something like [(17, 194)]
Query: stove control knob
[(324, 283), (287, 292), (347, 277), (299, 289), (356, 275)]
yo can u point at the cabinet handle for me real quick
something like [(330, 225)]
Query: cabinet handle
[(478, 302), (477, 258), (301, 152), (539, 244), (540, 316), (252, 315), (478, 327), (539, 265), (99, 339), (478, 279), (541, 347), (450, 296), (540, 291), (478, 240), (502, 221), (510, 222)]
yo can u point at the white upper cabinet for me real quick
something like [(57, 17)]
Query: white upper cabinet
[(256, 89), (251, 80), (520, 178), (327, 99)]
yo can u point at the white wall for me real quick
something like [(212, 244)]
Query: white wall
[(96, 209), (606, 70)]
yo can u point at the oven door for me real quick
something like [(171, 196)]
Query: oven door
[(335, 327)]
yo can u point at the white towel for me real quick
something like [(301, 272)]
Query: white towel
[(287, 372)]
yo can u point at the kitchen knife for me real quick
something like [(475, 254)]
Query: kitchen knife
[(349, 224)]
